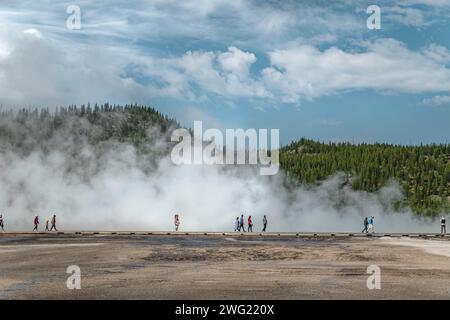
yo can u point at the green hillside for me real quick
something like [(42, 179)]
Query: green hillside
[(423, 171)]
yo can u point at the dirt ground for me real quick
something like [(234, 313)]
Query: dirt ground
[(222, 267)]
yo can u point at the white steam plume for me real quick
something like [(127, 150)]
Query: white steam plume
[(119, 190)]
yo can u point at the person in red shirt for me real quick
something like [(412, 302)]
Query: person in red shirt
[(36, 223), (250, 224)]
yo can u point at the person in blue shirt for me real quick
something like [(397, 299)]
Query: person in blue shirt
[(371, 227)]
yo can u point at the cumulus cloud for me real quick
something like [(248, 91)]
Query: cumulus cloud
[(237, 62), (304, 71), (223, 73), (35, 69), (38, 71), (385, 65), (292, 52)]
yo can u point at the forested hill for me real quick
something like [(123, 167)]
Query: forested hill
[(73, 127), (423, 171), (89, 139)]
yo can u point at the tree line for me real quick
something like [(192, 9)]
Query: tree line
[(422, 171)]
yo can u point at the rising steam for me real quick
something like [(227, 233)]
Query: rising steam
[(115, 186)]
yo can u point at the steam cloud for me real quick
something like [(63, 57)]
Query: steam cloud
[(112, 186)]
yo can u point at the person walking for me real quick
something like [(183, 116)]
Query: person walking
[(366, 224), (264, 223), (36, 223), (250, 224), (46, 226), (177, 221), (236, 224), (53, 223), (241, 223), (371, 226), (443, 227), (1, 222)]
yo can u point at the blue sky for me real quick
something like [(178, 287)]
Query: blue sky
[(309, 68)]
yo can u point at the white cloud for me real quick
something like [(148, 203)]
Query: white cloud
[(237, 62), (260, 24), (436, 101), (223, 73), (34, 32), (42, 63), (438, 53), (404, 15), (385, 65), (38, 71)]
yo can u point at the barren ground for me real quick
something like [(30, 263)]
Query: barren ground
[(221, 267)]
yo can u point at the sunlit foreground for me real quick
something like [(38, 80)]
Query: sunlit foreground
[(165, 265)]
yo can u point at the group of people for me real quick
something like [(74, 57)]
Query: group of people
[(53, 221), (239, 224), (368, 225), (36, 223)]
